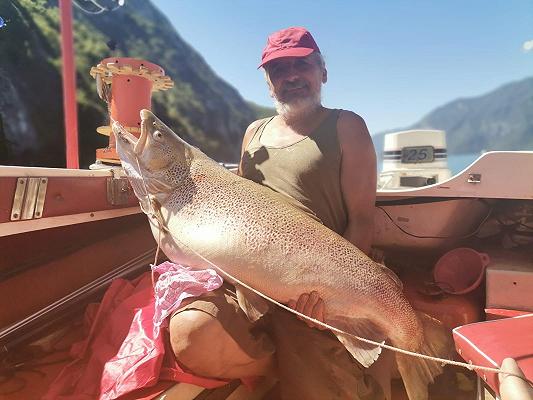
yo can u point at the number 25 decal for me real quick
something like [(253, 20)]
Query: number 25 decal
[(422, 154)]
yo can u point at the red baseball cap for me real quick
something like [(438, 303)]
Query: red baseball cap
[(290, 42)]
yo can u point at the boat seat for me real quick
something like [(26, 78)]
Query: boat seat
[(488, 343)]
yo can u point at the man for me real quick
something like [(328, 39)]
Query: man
[(323, 161)]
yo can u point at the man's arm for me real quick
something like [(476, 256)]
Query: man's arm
[(358, 178)]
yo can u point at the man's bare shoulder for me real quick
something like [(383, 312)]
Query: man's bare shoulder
[(352, 131), (252, 128), (256, 124)]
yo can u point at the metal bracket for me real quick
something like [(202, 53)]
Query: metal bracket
[(28, 202), (16, 209), (118, 191), (41, 195), (474, 178)]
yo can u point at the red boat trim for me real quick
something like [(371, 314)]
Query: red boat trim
[(475, 348), (73, 197)]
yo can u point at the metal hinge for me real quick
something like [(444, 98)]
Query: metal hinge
[(474, 178), (28, 202), (118, 191)]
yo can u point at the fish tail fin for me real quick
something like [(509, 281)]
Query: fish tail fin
[(418, 373)]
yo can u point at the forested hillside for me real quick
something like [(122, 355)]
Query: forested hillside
[(202, 107)]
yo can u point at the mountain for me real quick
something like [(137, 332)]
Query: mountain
[(201, 107), (499, 120), (262, 111)]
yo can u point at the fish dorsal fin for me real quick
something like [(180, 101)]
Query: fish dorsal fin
[(253, 305), (363, 352), (392, 275)]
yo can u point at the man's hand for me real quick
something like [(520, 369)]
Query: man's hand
[(311, 305), (512, 387)]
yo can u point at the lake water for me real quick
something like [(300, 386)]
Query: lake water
[(456, 162)]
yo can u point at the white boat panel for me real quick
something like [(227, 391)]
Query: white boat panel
[(53, 172), (12, 228), (495, 174)]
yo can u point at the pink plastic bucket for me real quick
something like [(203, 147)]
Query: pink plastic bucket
[(460, 270)]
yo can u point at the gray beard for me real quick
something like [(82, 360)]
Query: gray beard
[(298, 109)]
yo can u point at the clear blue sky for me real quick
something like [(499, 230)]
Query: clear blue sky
[(390, 61)]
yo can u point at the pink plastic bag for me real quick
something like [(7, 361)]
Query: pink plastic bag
[(176, 283), (124, 350)]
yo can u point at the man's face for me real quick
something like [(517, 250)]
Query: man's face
[(291, 79)]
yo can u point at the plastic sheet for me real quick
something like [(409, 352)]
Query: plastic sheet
[(124, 351)]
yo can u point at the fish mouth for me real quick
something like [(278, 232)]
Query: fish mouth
[(137, 143), (124, 135), (146, 117)]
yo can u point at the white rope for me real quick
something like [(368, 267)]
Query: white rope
[(443, 361), (152, 212)]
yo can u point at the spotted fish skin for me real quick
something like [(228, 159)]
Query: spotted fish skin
[(251, 232)]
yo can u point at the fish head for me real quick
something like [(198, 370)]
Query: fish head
[(156, 162)]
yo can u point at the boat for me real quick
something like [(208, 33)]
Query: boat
[(444, 214), (66, 234)]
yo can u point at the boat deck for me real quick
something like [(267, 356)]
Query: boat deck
[(39, 363)]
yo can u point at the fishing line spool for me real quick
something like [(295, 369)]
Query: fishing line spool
[(126, 85)]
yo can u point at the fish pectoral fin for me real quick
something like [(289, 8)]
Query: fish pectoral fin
[(253, 305), (364, 353)]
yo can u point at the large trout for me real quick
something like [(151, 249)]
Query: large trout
[(204, 213)]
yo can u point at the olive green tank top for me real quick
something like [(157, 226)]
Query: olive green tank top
[(306, 172)]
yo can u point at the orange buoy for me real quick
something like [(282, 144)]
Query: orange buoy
[(126, 84)]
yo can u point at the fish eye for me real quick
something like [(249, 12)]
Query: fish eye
[(157, 135)]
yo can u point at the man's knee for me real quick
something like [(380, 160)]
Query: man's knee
[(191, 338), (203, 346)]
